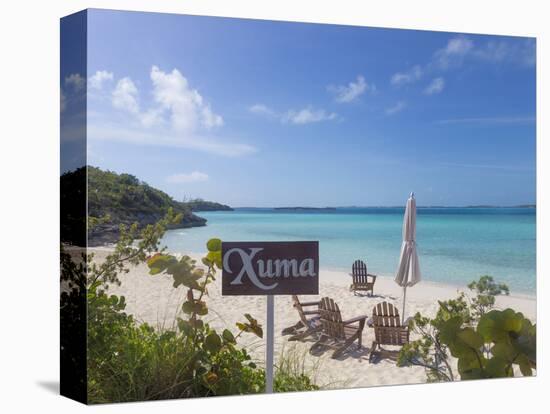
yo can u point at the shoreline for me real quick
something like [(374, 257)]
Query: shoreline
[(424, 290), (334, 275)]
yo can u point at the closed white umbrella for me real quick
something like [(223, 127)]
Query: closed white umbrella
[(408, 271)]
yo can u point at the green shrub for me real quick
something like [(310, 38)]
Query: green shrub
[(486, 342), (128, 361)]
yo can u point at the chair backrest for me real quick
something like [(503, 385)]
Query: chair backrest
[(387, 325), (331, 318), (385, 314), (359, 272), (298, 306)]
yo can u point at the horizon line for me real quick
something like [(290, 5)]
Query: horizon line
[(522, 205)]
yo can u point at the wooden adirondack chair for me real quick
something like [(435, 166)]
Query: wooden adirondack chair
[(309, 322), (361, 280), (388, 329), (340, 333)]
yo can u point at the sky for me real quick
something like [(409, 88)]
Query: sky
[(262, 113)]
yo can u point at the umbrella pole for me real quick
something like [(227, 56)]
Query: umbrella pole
[(404, 297)]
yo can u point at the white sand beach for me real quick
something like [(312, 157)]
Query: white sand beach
[(152, 299)]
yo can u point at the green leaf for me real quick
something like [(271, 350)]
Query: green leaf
[(252, 326), (470, 338), (215, 257), (524, 365), (228, 336), (214, 245), (449, 330), (184, 326), (159, 263), (498, 368), (512, 321), (212, 343), (198, 307), (504, 351)]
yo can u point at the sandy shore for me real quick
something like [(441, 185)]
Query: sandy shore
[(152, 299)]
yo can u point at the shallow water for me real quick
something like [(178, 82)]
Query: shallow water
[(455, 245)]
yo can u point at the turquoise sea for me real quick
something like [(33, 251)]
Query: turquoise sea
[(455, 245)]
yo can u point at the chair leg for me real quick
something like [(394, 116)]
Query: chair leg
[(305, 334), (372, 348), (346, 345)]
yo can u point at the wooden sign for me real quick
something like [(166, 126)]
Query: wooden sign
[(270, 268)]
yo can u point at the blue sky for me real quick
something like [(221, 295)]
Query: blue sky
[(260, 113)]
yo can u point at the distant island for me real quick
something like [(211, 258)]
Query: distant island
[(124, 199), (490, 206), (199, 204), (304, 208)]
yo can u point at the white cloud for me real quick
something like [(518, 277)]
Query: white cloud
[(151, 117), (351, 91), (398, 107), (75, 81), (458, 46), (523, 53), (167, 138), (308, 115), (410, 76), (194, 177), (97, 79), (125, 96), (177, 117), (454, 52), (261, 109), (187, 108), (435, 86), (461, 48), (302, 116)]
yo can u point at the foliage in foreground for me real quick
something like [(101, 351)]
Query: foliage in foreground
[(487, 343), (128, 361)]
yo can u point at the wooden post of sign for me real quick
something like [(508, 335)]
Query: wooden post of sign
[(269, 344)]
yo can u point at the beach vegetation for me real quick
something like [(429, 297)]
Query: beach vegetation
[(131, 361), (486, 342)]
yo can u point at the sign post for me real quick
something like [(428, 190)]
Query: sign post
[(269, 269), (269, 337)]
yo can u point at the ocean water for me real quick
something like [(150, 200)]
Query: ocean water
[(455, 245)]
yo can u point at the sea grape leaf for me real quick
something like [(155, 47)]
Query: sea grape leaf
[(252, 326), (470, 338), (524, 365), (214, 245), (159, 263), (198, 307), (228, 336), (215, 257), (504, 351), (212, 343), (498, 368)]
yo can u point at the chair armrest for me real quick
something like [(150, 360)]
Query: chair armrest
[(311, 312), (356, 319), (310, 303), (373, 276), (370, 322)]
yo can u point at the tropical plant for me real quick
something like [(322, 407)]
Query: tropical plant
[(486, 290), (486, 342), (500, 341)]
